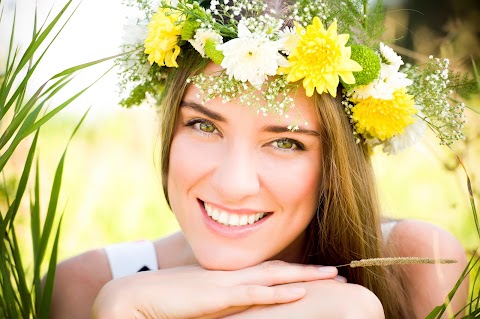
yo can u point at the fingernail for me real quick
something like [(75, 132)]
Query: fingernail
[(340, 278), (297, 291), (328, 269)]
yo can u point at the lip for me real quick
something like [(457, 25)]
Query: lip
[(231, 231)]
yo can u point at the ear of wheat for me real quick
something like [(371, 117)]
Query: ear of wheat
[(396, 261)]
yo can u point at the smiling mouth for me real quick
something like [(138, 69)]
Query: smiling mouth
[(230, 219)]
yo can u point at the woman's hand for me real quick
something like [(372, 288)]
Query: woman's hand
[(192, 292), (325, 299)]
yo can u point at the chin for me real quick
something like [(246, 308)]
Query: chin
[(222, 262)]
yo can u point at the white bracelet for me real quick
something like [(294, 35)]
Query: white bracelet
[(131, 257)]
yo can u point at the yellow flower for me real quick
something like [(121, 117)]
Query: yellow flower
[(384, 119), (161, 43), (320, 58)]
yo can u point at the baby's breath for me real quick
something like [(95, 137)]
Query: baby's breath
[(432, 93), (305, 11), (275, 97), (265, 24)]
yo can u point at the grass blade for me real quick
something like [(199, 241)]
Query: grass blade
[(26, 303), (35, 227), (52, 113), (438, 311), (52, 206), (18, 118), (46, 297), (13, 209), (85, 65), (50, 216)]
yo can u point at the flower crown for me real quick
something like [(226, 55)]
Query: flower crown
[(322, 45)]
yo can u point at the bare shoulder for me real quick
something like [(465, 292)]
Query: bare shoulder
[(418, 238), (77, 283), (428, 285)]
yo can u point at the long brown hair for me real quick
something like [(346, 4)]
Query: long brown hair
[(347, 223), (348, 220)]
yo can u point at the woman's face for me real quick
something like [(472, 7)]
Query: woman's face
[(242, 186)]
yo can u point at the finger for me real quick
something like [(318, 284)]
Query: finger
[(340, 278), (277, 272), (248, 295)]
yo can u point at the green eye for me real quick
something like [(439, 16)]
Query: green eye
[(207, 127), (285, 144)]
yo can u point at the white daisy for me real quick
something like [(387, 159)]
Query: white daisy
[(389, 56), (251, 57), (413, 133), (200, 38), (389, 81), (288, 38)]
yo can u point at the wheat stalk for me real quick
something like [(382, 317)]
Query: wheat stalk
[(396, 261)]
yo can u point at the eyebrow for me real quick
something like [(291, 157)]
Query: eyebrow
[(218, 117), (283, 129), (201, 109)]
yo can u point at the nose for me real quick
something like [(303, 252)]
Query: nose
[(236, 176)]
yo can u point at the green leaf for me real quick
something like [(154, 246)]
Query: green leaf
[(52, 205), (31, 49), (49, 218), (13, 209), (52, 113), (21, 283), (438, 311), (17, 121), (35, 226), (46, 297)]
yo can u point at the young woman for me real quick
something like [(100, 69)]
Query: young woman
[(268, 183)]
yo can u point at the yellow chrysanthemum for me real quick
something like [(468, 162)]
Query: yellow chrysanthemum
[(161, 43), (384, 119), (320, 58)]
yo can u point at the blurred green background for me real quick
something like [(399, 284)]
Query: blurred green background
[(112, 189)]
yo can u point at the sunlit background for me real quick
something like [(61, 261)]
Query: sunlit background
[(111, 188)]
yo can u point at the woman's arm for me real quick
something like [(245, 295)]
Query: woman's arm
[(77, 282), (183, 292), (324, 299), (193, 292)]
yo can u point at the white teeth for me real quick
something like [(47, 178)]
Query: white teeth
[(215, 214), (234, 220), (243, 220), (223, 219), (231, 219)]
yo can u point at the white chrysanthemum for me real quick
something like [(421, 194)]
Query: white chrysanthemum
[(134, 31), (251, 57), (200, 38), (413, 133), (389, 56), (154, 4), (389, 81), (288, 38)]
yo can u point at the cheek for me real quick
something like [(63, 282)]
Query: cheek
[(189, 161), (295, 183)]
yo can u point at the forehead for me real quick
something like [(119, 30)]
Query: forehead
[(288, 106)]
